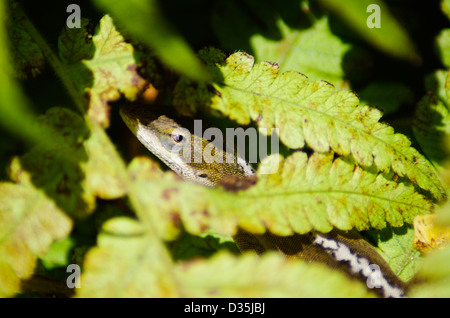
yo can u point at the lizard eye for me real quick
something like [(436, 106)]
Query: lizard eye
[(177, 138)]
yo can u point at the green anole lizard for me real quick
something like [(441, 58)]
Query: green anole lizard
[(168, 137)]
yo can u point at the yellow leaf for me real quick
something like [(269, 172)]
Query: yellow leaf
[(29, 223), (427, 235)]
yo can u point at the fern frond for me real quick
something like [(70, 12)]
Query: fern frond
[(79, 169), (306, 112), (112, 57), (138, 272), (29, 223), (435, 273), (431, 124), (318, 193), (225, 275), (139, 269)]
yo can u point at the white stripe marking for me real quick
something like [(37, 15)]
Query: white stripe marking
[(359, 264)]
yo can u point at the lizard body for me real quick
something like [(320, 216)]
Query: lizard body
[(174, 141)]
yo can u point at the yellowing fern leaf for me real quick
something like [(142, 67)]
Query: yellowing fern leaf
[(318, 193), (137, 271), (306, 112), (110, 71), (75, 171), (29, 223)]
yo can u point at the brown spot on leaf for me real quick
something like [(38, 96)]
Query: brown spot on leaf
[(167, 193), (275, 68), (211, 89), (131, 67), (259, 118), (247, 55), (218, 93), (204, 228), (212, 292), (175, 218)]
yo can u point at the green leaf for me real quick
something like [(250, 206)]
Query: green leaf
[(439, 84), (63, 179), (314, 113), (390, 37), (436, 274), (111, 71), (432, 120), (166, 223), (16, 115), (28, 60), (58, 254), (434, 234), (443, 215), (29, 223), (304, 194), (75, 45), (443, 43), (104, 166), (188, 246), (139, 272), (144, 21), (445, 6), (73, 183), (268, 276), (139, 269), (292, 35), (315, 51), (396, 246)]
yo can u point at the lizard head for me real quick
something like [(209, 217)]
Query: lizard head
[(183, 148)]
